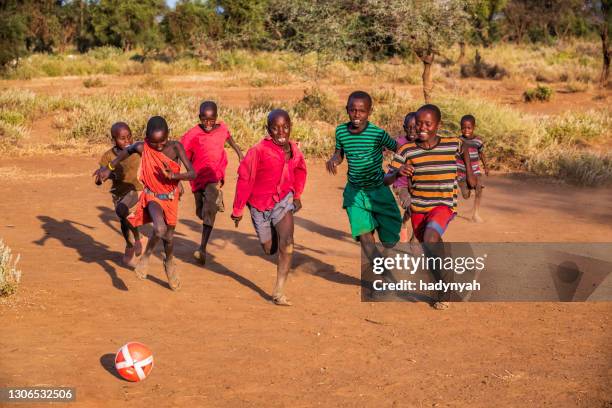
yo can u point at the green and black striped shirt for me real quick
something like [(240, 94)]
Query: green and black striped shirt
[(364, 154)]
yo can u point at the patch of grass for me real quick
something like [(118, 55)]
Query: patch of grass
[(578, 128), (540, 93), (576, 166), (93, 83), (151, 82), (480, 69), (318, 105), (10, 276)]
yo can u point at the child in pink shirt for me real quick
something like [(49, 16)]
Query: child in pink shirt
[(205, 148), (271, 180)]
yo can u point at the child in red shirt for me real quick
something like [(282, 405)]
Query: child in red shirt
[(205, 148), (271, 180)]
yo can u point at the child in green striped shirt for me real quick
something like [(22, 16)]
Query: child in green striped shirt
[(369, 203)]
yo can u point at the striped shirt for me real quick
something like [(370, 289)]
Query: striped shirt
[(434, 182), (474, 147), (364, 154)]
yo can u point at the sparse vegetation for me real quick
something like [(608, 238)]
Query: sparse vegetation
[(10, 276), (93, 83), (540, 93)]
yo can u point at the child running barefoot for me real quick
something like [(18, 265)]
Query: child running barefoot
[(271, 180), (125, 189), (369, 203), (204, 145), (475, 147), (401, 186), (160, 174), (431, 163)]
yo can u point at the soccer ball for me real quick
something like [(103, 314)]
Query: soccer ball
[(134, 361)]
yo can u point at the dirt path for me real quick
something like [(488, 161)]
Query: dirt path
[(219, 342)]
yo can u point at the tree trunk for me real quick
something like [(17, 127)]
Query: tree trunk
[(427, 80), (605, 46), (461, 52)]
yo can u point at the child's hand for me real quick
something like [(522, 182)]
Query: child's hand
[(471, 180), (406, 170), (486, 172), (168, 172), (236, 220), (181, 190), (297, 205), (101, 175), (404, 197), (331, 166)]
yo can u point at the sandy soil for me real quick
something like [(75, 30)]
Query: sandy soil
[(219, 342)]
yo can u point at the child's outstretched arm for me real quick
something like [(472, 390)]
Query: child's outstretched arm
[(247, 170), (483, 159), (190, 173), (103, 173), (406, 170), (299, 176), (335, 161), (234, 146)]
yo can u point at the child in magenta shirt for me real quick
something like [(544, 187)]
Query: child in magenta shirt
[(205, 148), (271, 180)]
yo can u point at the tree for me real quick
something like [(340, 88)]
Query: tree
[(600, 16), (192, 26), (127, 23), (425, 27), (12, 33), (244, 22)]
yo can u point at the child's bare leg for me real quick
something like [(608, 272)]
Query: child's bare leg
[(200, 254), (478, 197), (284, 229), (159, 232), (270, 247), (169, 267), (434, 238)]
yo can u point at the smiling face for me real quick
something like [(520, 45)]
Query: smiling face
[(426, 125), (208, 118), (410, 128), (358, 110), (122, 138), (467, 129), (158, 139), (279, 129)]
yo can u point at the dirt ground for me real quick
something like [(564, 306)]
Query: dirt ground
[(219, 341)]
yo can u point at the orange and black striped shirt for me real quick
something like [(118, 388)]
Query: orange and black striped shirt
[(434, 182)]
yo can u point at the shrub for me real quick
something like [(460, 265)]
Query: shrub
[(480, 69), (9, 274), (540, 93), (576, 166), (318, 105), (93, 83)]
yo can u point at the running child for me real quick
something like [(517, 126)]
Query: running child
[(271, 180), (160, 174), (430, 161), (401, 186), (475, 147), (369, 203), (125, 189), (204, 145)]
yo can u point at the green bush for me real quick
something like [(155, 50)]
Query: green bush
[(540, 93)]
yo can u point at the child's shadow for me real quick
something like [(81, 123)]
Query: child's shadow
[(89, 250), (250, 246)]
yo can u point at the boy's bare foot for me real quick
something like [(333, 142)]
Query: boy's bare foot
[(142, 267), (200, 256), (441, 305), (281, 300), (138, 247), (129, 258), (172, 274), (476, 218)]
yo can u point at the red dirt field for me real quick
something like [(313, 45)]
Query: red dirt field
[(220, 342)]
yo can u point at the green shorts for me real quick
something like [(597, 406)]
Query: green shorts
[(373, 209)]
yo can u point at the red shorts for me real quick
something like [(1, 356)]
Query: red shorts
[(437, 219)]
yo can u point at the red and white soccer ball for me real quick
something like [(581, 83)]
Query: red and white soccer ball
[(134, 361)]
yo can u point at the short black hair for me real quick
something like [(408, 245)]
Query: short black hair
[(431, 108), (208, 105), (155, 124), (468, 118), (276, 113), (360, 95), (409, 116), (117, 127)]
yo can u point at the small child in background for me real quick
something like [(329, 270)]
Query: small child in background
[(475, 147), (125, 189), (401, 186)]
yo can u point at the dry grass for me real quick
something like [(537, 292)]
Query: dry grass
[(9, 274)]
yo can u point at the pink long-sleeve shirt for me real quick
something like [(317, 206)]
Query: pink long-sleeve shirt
[(265, 177)]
